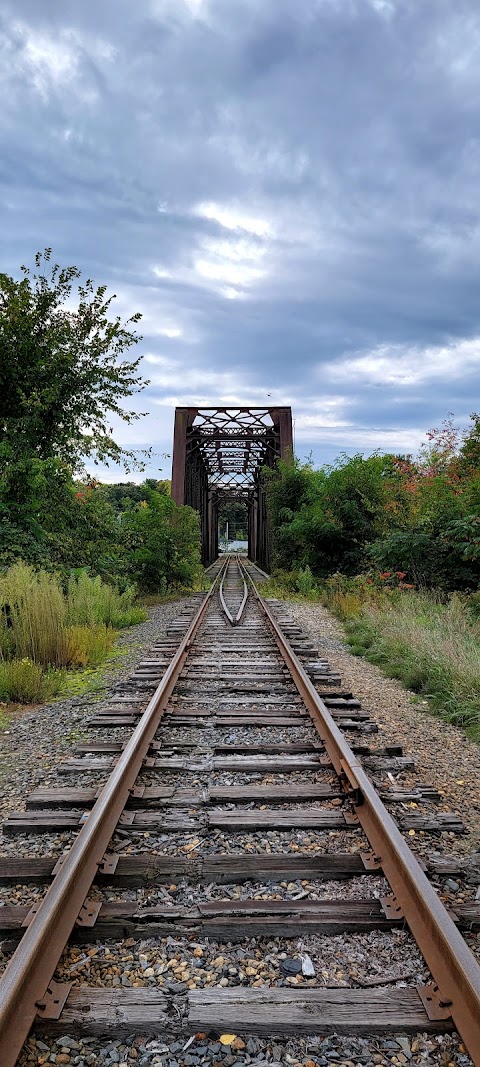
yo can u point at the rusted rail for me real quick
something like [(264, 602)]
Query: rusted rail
[(26, 987), (453, 967)]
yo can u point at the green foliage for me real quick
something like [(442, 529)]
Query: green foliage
[(80, 646), (62, 376), (325, 519), (60, 366), (91, 601), (305, 581), (33, 615), (421, 517), (163, 543), (473, 604), (432, 647), (235, 514), (41, 624), (281, 584), (414, 550), (127, 534), (26, 682)]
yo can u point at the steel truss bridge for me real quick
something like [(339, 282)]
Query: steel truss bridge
[(218, 455)]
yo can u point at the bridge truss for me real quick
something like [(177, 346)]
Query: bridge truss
[(218, 455)]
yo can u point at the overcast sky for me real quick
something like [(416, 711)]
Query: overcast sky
[(288, 190)]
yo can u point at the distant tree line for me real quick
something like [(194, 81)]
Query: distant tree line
[(418, 516), (234, 514)]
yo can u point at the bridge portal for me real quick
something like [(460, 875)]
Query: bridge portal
[(218, 455)]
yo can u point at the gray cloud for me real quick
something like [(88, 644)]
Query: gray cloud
[(289, 193)]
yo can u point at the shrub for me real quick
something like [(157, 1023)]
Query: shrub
[(91, 601), (32, 615), (473, 604), (83, 645), (281, 583), (305, 581), (26, 682), (40, 626)]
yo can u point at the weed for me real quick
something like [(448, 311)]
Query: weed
[(26, 682), (91, 601), (432, 647), (305, 581), (83, 645), (41, 627), (32, 615)]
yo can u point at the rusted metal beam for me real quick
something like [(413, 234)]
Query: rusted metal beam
[(183, 419), (282, 417), (452, 965), (27, 978)]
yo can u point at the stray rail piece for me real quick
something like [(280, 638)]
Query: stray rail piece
[(233, 620)]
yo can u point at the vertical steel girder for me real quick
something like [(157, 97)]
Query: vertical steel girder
[(223, 450)]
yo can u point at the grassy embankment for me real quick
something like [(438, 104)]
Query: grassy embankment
[(430, 643), (47, 632)]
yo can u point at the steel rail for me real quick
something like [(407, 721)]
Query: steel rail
[(26, 979), (233, 621), (453, 967)]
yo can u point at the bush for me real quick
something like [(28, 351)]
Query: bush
[(162, 543), (32, 615), (26, 682), (473, 604), (305, 581), (281, 585), (432, 558), (85, 645), (91, 601), (40, 626)]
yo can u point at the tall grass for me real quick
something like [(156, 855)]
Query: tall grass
[(42, 627), (433, 647), (83, 646), (33, 615), (90, 601), (27, 682)]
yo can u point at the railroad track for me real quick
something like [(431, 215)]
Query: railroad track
[(227, 740)]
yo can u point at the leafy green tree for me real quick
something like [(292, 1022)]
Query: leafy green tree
[(36, 497), (469, 456), (62, 376), (418, 516), (161, 542), (325, 519), (234, 512), (61, 372)]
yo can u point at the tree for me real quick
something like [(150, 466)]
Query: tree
[(162, 542), (325, 519), (420, 516), (61, 373), (234, 513), (61, 378)]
